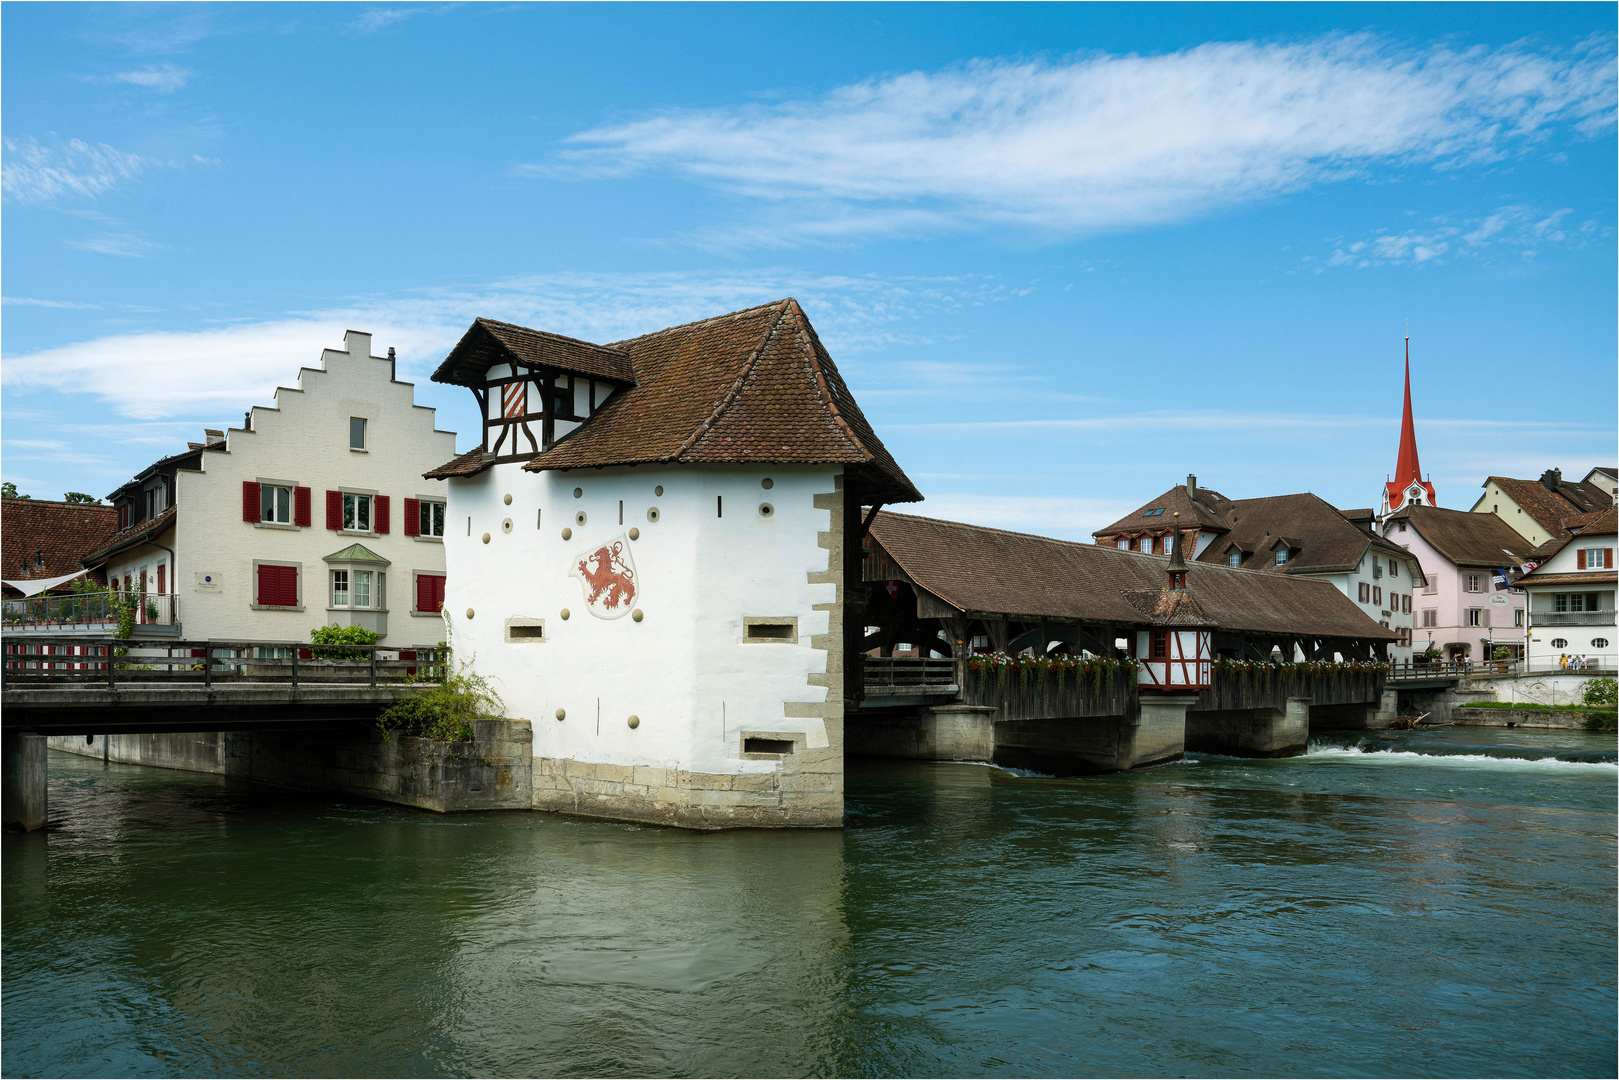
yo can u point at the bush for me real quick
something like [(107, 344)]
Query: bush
[(1601, 692), (446, 711), (341, 635)]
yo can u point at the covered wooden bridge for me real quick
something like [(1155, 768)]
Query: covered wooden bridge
[(969, 601)]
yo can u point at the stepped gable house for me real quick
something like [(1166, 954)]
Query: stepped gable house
[(1538, 510), (312, 513), (41, 539), (648, 557)]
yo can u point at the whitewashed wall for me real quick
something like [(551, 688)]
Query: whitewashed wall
[(683, 670), (304, 440)]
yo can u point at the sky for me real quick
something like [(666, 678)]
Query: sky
[(1063, 254)]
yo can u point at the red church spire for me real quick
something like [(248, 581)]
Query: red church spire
[(1407, 470)]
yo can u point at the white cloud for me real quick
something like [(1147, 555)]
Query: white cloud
[(231, 367), (1104, 141), (163, 78), (124, 244), (36, 173), (1521, 232), (29, 301)]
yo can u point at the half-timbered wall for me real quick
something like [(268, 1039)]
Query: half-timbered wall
[(526, 409), (1174, 659)]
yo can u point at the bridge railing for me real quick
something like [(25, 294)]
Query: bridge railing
[(904, 676), (78, 661)]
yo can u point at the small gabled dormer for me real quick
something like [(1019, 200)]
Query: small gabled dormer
[(533, 388)]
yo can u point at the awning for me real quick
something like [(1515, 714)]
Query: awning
[(32, 586)]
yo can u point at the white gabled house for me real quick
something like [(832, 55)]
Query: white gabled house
[(648, 557), (1571, 599), (312, 513)]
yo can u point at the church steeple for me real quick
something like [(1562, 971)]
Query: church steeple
[(1407, 485)]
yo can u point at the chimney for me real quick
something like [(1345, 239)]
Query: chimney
[(393, 368), (1191, 487), (247, 420), (1551, 478)]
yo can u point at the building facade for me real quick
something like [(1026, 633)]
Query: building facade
[(1538, 509), (648, 559), (315, 512), (1571, 601)]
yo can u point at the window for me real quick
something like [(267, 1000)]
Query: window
[(356, 513), (1570, 601), (431, 519), (277, 585), (1475, 617), (429, 593), (1234, 558), (1405, 603), (1430, 616), (1160, 644), (1394, 568), (357, 433), (1377, 595), (1281, 556), (1517, 617), (1365, 592), (1599, 643), (275, 504), (357, 588), (1474, 583), (1595, 558), (1559, 643), (1124, 545), (340, 588)]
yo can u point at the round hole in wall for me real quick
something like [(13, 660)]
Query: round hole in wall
[(636, 615), (579, 518), (506, 525), (658, 491), (634, 721), (635, 534), (766, 510), (567, 534), (508, 500), (767, 483), (578, 493), (565, 614), (652, 514), (469, 613), (486, 538), (562, 714)]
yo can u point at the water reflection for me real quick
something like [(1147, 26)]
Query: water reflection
[(1336, 914)]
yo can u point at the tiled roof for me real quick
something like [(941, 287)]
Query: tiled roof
[(1575, 578), (1595, 524), (994, 572), (1466, 539), (57, 533), (470, 463), (138, 533), (489, 342), (1321, 538), (1549, 508), (1207, 511), (754, 386)]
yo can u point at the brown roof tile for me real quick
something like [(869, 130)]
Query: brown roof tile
[(488, 342), (1477, 540), (1551, 507), (991, 571), (138, 533), (1207, 511), (1321, 538), (1602, 521), (1575, 578), (59, 534)]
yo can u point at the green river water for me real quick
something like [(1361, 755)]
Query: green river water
[(1424, 904)]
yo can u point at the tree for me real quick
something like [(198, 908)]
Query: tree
[(8, 490), (81, 497)]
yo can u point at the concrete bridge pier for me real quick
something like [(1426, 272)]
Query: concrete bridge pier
[(22, 782), (1257, 733), (1078, 746)]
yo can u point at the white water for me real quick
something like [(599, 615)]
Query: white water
[(1355, 755)]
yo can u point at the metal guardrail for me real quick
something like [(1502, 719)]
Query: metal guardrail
[(1410, 671), (91, 610), (1543, 619), (42, 663), (890, 676)]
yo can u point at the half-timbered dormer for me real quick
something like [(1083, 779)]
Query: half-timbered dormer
[(533, 388), (1177, 653)]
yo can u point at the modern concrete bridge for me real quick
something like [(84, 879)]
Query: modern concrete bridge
[(75, 686)]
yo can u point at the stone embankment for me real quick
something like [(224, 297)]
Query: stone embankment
[(1573, 719)]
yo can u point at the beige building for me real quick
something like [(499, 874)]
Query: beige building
[(1537, 509), (313, 513)]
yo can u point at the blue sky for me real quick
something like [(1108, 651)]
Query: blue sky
[(1063, 254)]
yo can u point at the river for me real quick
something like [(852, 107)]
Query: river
[(1422, 904)]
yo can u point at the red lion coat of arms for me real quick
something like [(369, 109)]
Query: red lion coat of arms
[(608, 578)]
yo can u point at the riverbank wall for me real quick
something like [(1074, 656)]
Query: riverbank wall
[(492, 772), (1562, 719)]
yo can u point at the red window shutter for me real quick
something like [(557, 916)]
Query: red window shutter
[(1607, 558), (300, 507), (334, 510), (429, 592), (197, 653), (379, 514), (250, 501), (267, 584), (413, 517), (278, 586), (1579, 558)]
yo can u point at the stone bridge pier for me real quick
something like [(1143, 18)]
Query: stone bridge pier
[(1257, 733), (22, 785)]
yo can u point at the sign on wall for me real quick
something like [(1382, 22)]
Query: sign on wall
[(607, 576)]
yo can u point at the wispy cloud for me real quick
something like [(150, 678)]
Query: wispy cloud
[(123, 244), (1102, 141), (1518, 232), (29, 301), (161, 78), (376, 18), (36, 173), (227, 368)]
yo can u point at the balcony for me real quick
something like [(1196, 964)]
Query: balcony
[(92, 613), (1541, 620)]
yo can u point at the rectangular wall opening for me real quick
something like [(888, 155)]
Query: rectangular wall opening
[(767, 746), (524, 631), (768, 630)]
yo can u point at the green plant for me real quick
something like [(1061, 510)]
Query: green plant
[(446, 710), (80, 498), (125, 604), (8, 490), (1602, 722), (1501, 653), (334, 634), (1601, 692), (151, 611)]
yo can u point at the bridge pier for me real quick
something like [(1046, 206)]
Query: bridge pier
[(1257, 733), (1078, 746), (22, 785)]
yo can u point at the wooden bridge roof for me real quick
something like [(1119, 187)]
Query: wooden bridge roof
[(999, 574)]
